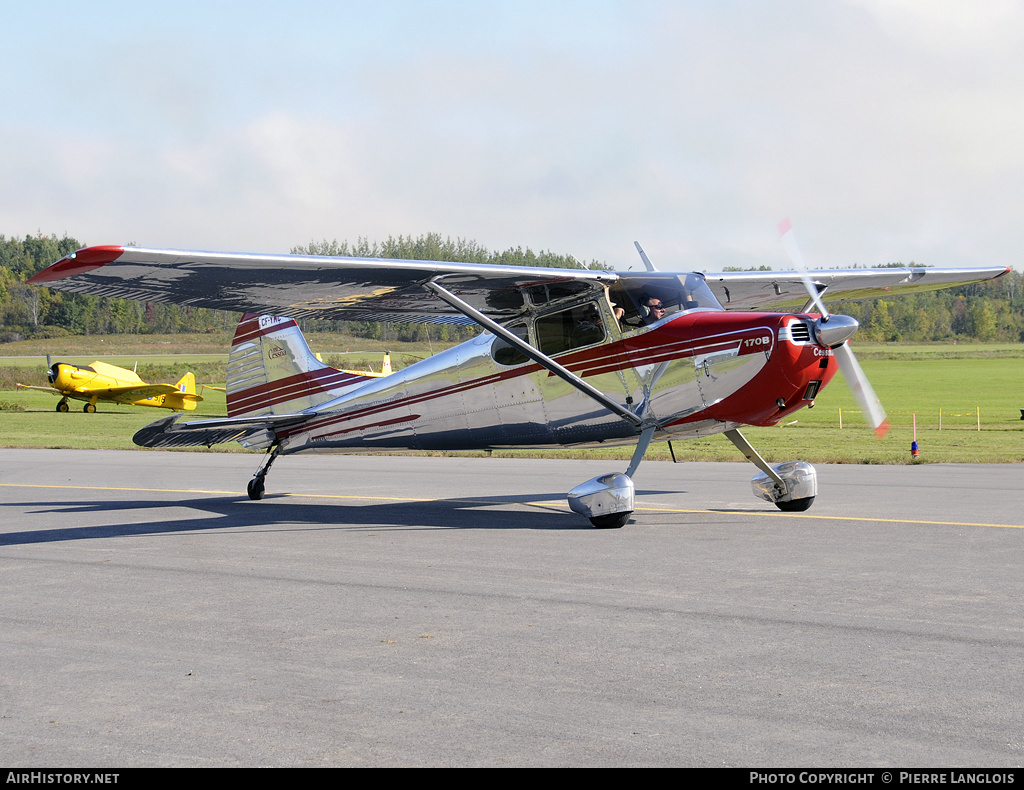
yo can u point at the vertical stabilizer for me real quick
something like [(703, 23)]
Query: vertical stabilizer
[(187, 384), (271, 370), (185, 399)]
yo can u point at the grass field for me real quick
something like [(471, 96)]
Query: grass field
[(962, 382)]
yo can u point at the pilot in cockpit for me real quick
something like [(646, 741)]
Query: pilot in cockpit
[(653, 309)]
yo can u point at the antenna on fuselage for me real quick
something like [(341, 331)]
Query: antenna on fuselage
[(643, 256)]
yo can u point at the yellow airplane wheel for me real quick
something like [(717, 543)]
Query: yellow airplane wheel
[(88, 408), (62, 406)]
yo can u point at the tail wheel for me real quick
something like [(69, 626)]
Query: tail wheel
[(255, 488)]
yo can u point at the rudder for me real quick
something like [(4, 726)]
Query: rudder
[(185, 399), (187, 384)]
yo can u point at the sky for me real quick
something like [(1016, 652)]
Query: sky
[(885, 130)]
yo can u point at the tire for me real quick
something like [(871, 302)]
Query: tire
[(611, 520), (255, 489), (796, 505), (89, 408), (62, 406)]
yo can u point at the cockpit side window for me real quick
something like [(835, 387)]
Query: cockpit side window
[(621, 300), (648, 299), (557, 332), (565, 330)]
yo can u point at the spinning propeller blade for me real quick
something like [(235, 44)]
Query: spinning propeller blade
[(861, 389), (852, 371)]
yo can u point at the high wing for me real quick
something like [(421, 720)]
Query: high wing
[(786, 290), (381, 289), (313, 286)]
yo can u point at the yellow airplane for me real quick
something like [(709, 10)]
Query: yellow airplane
[(385, 369), (102, 382)]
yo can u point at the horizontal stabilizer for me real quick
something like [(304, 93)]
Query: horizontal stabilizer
[(167, 432)]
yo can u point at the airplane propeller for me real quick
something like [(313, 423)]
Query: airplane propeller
[(833, 331)]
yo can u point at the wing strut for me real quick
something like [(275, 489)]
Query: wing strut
[(541, 359)]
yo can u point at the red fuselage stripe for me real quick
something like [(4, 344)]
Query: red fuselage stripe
[(584, 363), (248, 331), (294, 387)]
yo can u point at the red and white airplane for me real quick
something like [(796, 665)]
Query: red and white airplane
[(568, 357)]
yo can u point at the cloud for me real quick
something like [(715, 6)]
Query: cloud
[(951, 28), (885, 130)]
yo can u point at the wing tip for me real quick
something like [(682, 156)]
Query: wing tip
[(78, 262), (883, 429)]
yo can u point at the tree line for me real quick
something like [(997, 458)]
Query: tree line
[(985, 312)]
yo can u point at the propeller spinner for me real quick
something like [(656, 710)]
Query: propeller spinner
[(833, 331)]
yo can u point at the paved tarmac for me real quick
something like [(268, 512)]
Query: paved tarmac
[(394, 611)]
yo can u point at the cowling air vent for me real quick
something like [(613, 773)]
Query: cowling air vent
[(796, 332)]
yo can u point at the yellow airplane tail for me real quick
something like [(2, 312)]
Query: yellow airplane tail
[(187, 384), (385, 368), (185, 398)]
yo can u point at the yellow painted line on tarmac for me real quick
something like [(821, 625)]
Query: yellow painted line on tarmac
[(876, 519), (115, 488), (207, 491), (552, 503)]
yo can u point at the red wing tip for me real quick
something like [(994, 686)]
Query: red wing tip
[(78, 262), (882, 429), (785, 227)]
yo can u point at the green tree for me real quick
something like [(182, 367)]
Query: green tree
[(982, 321)]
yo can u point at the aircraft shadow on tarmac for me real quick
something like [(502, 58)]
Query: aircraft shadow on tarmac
[(284, 512)]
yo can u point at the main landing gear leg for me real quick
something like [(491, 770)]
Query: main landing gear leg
[(607, 500), (256, 487), (791, 486)]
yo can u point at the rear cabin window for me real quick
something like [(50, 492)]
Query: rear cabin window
[(504, 353)]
